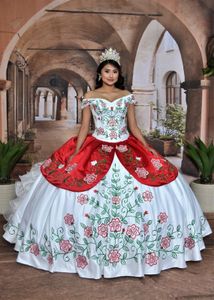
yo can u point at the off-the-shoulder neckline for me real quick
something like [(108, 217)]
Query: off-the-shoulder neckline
[(98, 98)]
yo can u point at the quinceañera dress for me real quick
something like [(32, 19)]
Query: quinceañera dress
[(114, 210)]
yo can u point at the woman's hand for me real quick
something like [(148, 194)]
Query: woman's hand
[(153, 151), (71, 157)]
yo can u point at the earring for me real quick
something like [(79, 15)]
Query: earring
[(99, 77)]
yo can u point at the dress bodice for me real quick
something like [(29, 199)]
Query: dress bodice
[(110, 117)]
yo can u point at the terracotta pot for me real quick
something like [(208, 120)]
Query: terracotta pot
[(164, 147), (205, 195), (7, 193)]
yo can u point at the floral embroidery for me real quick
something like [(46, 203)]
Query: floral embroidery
[(114, 256), (147, 196), (162, 217), (81, 261), (122, 148), (142, 172), (115, 225), (89, 178), (189, 242), (113, 134), (88, 231), (82, 199), (103, 230), (61, 166), (93, 162), (71, 168), (133, 231), (47, 163), (116, 231), (165, 242), (115, 200), (65, 246), (107, 148), (108, 117), (151, 259), (34, 249), (69, 219), (156, 163)]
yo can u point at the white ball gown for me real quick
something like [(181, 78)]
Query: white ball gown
[(114, 210)]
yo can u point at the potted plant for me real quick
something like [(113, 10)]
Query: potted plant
[(169, 139), (10, 153), (203, 157)]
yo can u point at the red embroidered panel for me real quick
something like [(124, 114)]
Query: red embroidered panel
[(94, 159)]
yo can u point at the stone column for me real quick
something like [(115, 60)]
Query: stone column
[(53, 106), (45, 105), (146, 100), (36, 101), (205, 85), (4, 86), (193, 120)]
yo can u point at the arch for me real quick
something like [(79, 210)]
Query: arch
[(144, 59)]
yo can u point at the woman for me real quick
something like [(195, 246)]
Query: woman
[(107, 204)]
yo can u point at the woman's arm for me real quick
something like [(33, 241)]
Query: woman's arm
[(135, 129), (84, 129)]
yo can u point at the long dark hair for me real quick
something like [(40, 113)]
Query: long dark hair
[(120, 82)]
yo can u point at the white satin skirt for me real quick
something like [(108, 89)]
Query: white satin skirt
[(118, 228)]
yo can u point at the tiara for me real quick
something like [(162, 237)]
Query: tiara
[(110, 54)]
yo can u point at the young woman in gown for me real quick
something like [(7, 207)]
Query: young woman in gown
[(106, 204)]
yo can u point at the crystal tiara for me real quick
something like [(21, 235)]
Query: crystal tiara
[(110, 54)]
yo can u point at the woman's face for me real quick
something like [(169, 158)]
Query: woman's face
[(109, 74)]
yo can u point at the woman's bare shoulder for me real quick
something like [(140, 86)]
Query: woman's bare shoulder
[(89, 94), (126, 93)]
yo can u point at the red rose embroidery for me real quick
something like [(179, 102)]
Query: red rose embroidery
[(69, 219), (115, 225), (50, 259), (165, 242), (141, 172), (65, 246), (145, 228), (147, 196), (189, 243), (34, 249), (113, 134), (89, 178), (133, 231), (88, 231), (82, 199), (114, 256), (103, 230), (115, 199), (162, 217), (81, 261), (151, 259)]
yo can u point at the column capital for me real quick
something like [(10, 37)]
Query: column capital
[(191, 84), (4, 84)]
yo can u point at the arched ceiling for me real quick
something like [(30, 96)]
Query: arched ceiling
[(71, 36)]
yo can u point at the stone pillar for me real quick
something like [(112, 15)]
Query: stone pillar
[(146, 100), (78, 109), (36, 101), (205, 84), (63, 108), (211, 110), (4, 86), (193, 120), (45, 105), (53, 106)]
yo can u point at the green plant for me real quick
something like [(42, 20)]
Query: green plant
[(203, 157), (174, 123), (10, 153)]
